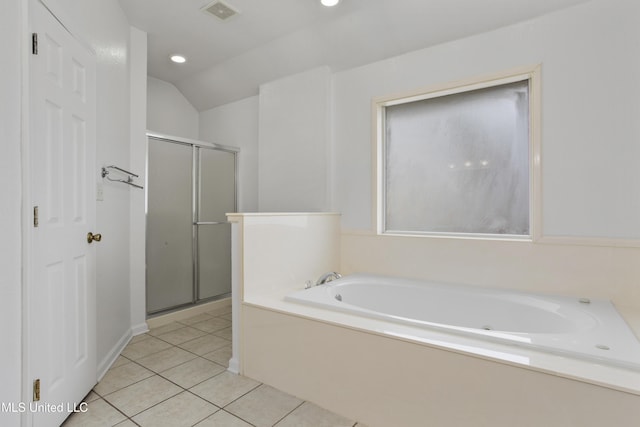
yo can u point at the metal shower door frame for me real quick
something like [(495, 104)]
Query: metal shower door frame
[(195, 198)]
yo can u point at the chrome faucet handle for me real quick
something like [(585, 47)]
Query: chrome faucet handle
[(327, 277), (308, 284)]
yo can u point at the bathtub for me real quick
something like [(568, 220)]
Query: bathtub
[(582, 328)]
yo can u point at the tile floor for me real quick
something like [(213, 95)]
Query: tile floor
[(175, 375)]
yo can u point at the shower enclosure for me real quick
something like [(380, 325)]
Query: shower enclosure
[(191, 185)]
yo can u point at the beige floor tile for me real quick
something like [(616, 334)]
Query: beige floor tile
[(220, 311), (196, 319), (99, 414), (212, 325), (181, 335), (165, 328), (121, 377), (220, 356), (165, 359), (142, 395), (225, 333), (139, 338), (224, 388), (182, 410), (310, 415), (204, 345), (144, 348), (264, 406), (121, 360), (91, 397), (192, 372), (126, 423), (223, 419), (228, 316)]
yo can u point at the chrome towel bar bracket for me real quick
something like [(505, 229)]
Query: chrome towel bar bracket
[(129, 175)]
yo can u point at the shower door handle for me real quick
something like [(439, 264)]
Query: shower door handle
[(210, 222)]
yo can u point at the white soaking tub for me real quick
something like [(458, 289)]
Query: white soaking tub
[(577, 327)]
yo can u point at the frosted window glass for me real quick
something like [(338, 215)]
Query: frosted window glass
[(459, 163)]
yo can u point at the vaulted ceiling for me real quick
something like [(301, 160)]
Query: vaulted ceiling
[(268, 39)]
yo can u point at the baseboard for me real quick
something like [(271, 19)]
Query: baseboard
[(234, 365), (139, 329), (111, 357)]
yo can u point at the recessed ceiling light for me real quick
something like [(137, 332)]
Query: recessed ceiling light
[(329, 3), (179, 59)]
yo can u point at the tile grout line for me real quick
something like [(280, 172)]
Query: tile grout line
[(114, 407), (289, 413), (159, 374), (184, 389)]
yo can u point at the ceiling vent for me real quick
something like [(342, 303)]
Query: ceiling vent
[(220, 10)]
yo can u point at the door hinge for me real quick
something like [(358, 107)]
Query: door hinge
[(36, 390), (35, 216), (34, 43)]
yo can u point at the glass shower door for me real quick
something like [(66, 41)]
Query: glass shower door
[(216, 197), (169, 226)]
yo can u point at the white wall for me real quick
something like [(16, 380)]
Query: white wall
[(236, 124), (294, 145), (590, 150), (10, 212), (168, 111), (590, 112), (590, 134)]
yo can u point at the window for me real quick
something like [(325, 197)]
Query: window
[(457, 161)]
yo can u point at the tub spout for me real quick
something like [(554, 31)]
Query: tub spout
[(327, 277)]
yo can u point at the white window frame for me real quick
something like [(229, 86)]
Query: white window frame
[(530, 73)]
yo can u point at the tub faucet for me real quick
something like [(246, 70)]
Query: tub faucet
[(327, 277)]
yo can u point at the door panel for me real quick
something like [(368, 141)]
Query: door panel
[(61, 297), (214, 260), (217, 191), (169, 226), (217, 185)]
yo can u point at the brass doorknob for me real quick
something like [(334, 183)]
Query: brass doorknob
[(91, 237)]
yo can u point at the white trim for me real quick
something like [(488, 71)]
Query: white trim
[(535, 152), (139, 329), (589, 241), (59, 13), (455, 89), (457, 86), (113, 354), (237, 291), (544, 240), (377, 124), (234, 365), (27, 417)]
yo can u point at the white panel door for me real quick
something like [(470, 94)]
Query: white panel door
[(61, 300)]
